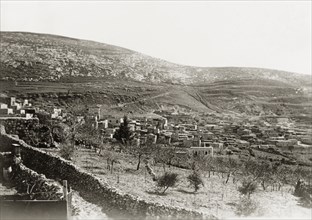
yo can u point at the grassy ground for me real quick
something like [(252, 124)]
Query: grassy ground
[(215, 197)]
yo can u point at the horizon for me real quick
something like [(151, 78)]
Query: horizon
[(295, 57), (152, 56)]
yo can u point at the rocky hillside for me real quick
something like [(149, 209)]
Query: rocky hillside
[(41, 57), (64, 71)]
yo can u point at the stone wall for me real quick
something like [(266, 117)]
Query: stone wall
[(96, 190), (20, 127), (29, 183), (38, 185)]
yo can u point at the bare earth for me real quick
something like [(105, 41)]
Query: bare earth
[(216, 197), (84, 210)]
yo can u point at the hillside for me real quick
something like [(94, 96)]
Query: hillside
[(36, 57), (126, 80)]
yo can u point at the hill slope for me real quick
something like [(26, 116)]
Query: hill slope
[(98, 73), (36, 57)]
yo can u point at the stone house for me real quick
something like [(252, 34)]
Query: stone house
[(201, 151)]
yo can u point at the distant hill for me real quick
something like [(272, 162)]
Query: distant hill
[(96, 73), (37, 57)]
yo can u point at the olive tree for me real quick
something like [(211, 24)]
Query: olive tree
[(195, 180), (167, 180)]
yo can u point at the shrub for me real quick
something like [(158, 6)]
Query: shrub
[(304, 192), (167, 180), (248, 187), (67, 151), (195, 180), (246, 206)]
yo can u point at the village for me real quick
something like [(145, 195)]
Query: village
[(189, 133), (188, 137), (155, 110)]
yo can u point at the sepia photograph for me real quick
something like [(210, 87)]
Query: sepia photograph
[(155, 110)]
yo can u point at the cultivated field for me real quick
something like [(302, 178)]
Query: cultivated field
[(216, 197)]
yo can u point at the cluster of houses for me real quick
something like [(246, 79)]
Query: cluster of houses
[(22, 108), (204, 134), (12, 107), (214, 134)]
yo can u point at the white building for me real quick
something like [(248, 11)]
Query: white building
[(201, 151), (3, 106)]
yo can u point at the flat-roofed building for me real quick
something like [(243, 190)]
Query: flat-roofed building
[(201, 151)]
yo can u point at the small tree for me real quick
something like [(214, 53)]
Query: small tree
[(149, 170), (144, 151), (280, 175), (231, 167), (208, 164), (164, 155), (167, 180), (141, 150), (195, 180), (68, 147), (248, 187), (304, 191), (123, 134), (246, 207), (67, 151), (259, 171), (111, 158)]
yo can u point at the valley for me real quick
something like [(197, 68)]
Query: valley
[(237, 139)]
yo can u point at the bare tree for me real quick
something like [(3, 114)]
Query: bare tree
[(164, 155), (145, 150), (260, 171), (111, 158), (231, 167)]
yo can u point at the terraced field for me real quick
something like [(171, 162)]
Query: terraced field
[(55, 70)]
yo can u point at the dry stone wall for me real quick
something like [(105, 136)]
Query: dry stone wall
[(20, 127), (98, 191), (38, 186), (29, 183)]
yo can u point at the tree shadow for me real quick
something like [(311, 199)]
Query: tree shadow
[(305, 202), (130, 170), (186, 192), (100, 172), (155, 192), (231, 204), (92, 167)]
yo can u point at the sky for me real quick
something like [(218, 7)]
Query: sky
[(266, 34)]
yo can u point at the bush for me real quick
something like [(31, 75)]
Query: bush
[(304, 192), (248, 187), (195, 180), (167, 180), (67, 151), (246, 206)]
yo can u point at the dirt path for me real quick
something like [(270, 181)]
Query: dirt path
[(84, 210)]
